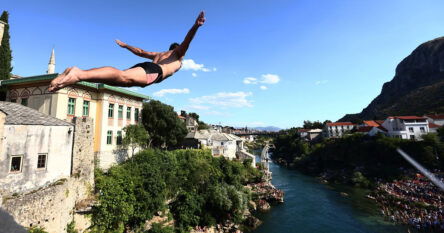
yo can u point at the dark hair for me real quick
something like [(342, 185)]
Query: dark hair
[(174, 45)]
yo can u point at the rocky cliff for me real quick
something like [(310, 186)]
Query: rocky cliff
[(416, 89)]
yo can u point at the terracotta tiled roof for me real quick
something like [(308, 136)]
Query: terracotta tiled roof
[(436, 116), (431, 125), (365, 129), (372, 123), (339, 123)]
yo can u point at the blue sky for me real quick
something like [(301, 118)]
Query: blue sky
[(254, 63)]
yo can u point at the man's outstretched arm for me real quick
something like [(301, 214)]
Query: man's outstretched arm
[(183, 47), (137, 51)]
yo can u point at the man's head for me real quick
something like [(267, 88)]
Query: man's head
[(174, 45)]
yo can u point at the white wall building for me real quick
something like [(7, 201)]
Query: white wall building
[(337, 129), (221, 144), (406, 127), (35, 149)]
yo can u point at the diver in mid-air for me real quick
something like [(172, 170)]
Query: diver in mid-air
[(163, 65)]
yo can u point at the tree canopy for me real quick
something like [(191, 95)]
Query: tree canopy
[(5, 54), (135, 136), (162, 122)]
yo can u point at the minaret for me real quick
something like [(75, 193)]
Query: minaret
[(51, 64)]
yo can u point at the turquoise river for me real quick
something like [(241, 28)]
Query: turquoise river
[(311, 206)]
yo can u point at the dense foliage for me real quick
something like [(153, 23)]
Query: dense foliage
[(203, 190), (161, 121), (5, 54), (356, 157), (135, 137), (315, 124)]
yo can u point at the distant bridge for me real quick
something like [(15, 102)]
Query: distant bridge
[(259, 133)]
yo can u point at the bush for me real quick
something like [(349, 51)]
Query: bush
[(205, 190)]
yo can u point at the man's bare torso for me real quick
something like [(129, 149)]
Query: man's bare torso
[(169, 62)]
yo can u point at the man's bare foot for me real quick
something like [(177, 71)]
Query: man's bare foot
[(69, 77), (55, 81)]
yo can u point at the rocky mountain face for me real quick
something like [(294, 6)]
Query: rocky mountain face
[(416, 89)]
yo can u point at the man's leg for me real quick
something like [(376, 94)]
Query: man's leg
[(107, 75)]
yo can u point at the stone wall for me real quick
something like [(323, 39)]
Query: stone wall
[(54, 207), (83, 153)]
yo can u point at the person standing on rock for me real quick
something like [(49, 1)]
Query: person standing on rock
[(163, 65)]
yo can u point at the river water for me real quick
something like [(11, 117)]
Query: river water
[(311, 206)]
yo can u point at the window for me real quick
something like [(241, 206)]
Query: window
[(128, 113), (16, 163), (13, 100), (119, 138), (422, 129), (411, 129), (109, 137), (120, 112), (111, 110), (412, 137), (136, 114), (24, 101), (71, 106), (41, 161), (85, 108)]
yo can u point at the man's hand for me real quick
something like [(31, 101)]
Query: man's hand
[(200, 19), (121, 44)]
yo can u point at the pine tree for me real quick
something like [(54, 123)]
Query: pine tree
[(5, 55)]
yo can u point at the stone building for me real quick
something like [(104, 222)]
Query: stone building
[(111, 109), (52, 205), (34, 148)]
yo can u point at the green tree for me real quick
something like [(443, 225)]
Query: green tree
[(135, 136), (166, 129), (441, 133), (313, 125), (5, 55)]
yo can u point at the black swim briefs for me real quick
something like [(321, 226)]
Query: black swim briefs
[(151, 68)]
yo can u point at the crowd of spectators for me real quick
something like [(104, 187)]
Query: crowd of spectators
[(415, 201)]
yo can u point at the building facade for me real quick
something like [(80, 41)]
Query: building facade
[(111, 109), (337, 129), (34, 148), (406, 127)]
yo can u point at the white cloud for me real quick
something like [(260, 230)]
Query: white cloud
[(263, 87), (190, 64), (194, 74), (199, 107), (171, 91), (266, 79), (321, 82), (250, 80), (225, 99), (270, 78)]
